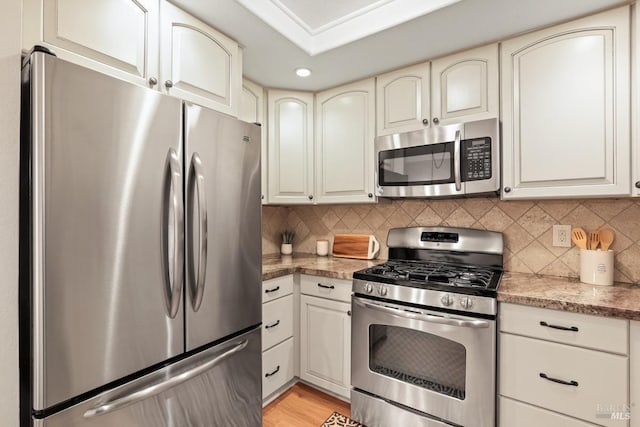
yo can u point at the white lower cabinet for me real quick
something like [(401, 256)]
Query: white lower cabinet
[(277, 367), (325, 343), (544, 365), (278, 344), (634, 363), (518, 414)]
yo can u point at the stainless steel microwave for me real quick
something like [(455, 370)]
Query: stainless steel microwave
[(452, 160)]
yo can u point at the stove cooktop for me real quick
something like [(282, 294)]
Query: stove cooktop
[(466, 279)]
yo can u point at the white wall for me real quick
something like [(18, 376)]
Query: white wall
[(10, 20)]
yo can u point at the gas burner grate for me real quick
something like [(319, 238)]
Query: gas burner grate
[(452, 275), (420, 382)]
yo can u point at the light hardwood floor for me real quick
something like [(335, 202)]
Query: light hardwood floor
[(302, 406)]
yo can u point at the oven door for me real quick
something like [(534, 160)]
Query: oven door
[(437, 363)]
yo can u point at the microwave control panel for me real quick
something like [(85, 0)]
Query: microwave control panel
[(476, 159)]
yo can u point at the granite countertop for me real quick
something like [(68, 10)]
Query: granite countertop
[(621, 300), (336, 268)]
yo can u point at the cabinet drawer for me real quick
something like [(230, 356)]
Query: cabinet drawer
[(277, 367), (276, 288), (277, 321), (520, 414), (595, 332), (602, 379), (323, 287)]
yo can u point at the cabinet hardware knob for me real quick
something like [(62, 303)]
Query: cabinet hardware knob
[(153, 81), (637, 184), (310, 196), (507, 189), (349, 313), (168, 84), (436, 120), (425, 122), (262, 197), (370, 195)]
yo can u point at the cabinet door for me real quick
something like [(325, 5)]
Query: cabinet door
[(464, 86), (290, 152), (565, 107), (251, 109), (634, 363), (116, 37), (403, 100), (198, 63), (325, 344), (344, 143)]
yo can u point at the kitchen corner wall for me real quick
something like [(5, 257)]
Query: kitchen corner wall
[(527, 227)]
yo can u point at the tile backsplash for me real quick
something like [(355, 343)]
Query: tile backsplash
[(527, 227)]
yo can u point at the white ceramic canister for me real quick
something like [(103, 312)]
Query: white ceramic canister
[(322, 247), (596, 267)]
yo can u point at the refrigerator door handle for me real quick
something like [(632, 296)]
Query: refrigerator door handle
[(175, 253), (198, 281), (155, 389)]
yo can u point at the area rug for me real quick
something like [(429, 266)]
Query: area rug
[(338, 420)]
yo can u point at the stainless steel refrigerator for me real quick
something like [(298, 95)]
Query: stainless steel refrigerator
[(140, 256)]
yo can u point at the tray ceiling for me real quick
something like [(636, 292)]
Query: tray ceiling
[(317, 26)]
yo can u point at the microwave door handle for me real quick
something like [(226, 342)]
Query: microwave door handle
[(476, 324), (456, 162)]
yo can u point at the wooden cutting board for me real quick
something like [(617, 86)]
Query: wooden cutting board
[(353, 246)]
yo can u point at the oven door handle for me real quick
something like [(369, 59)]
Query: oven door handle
[(476, 324)]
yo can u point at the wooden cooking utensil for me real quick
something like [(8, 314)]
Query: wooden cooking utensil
[(594, 240), (579, 237), (606, 238)]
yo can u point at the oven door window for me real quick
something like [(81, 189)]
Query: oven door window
[(418, 358), (421, 165)]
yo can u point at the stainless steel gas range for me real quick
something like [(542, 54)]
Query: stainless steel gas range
[(423, 350)]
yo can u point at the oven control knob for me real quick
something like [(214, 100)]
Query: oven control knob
[(446, 300), (466, 302), (382, 291), (368, 287)]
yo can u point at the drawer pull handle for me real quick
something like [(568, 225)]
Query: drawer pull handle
[(268, 291), (273, 325), (562, 328), (270, 374), (326, 286), (555, 380)]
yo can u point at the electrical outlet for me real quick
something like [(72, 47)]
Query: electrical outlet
[(562, 236)]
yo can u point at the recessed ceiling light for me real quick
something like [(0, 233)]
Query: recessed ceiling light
[(303, 72)]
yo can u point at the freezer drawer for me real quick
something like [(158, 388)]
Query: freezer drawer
[(226, 394)]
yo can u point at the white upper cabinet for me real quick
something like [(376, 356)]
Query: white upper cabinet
[(252, 110), (290, 154), (635, 111), (116, 37), (403, 100), (565, 109), (198, 63), (464, 86), (344, 143), (453, 89)]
